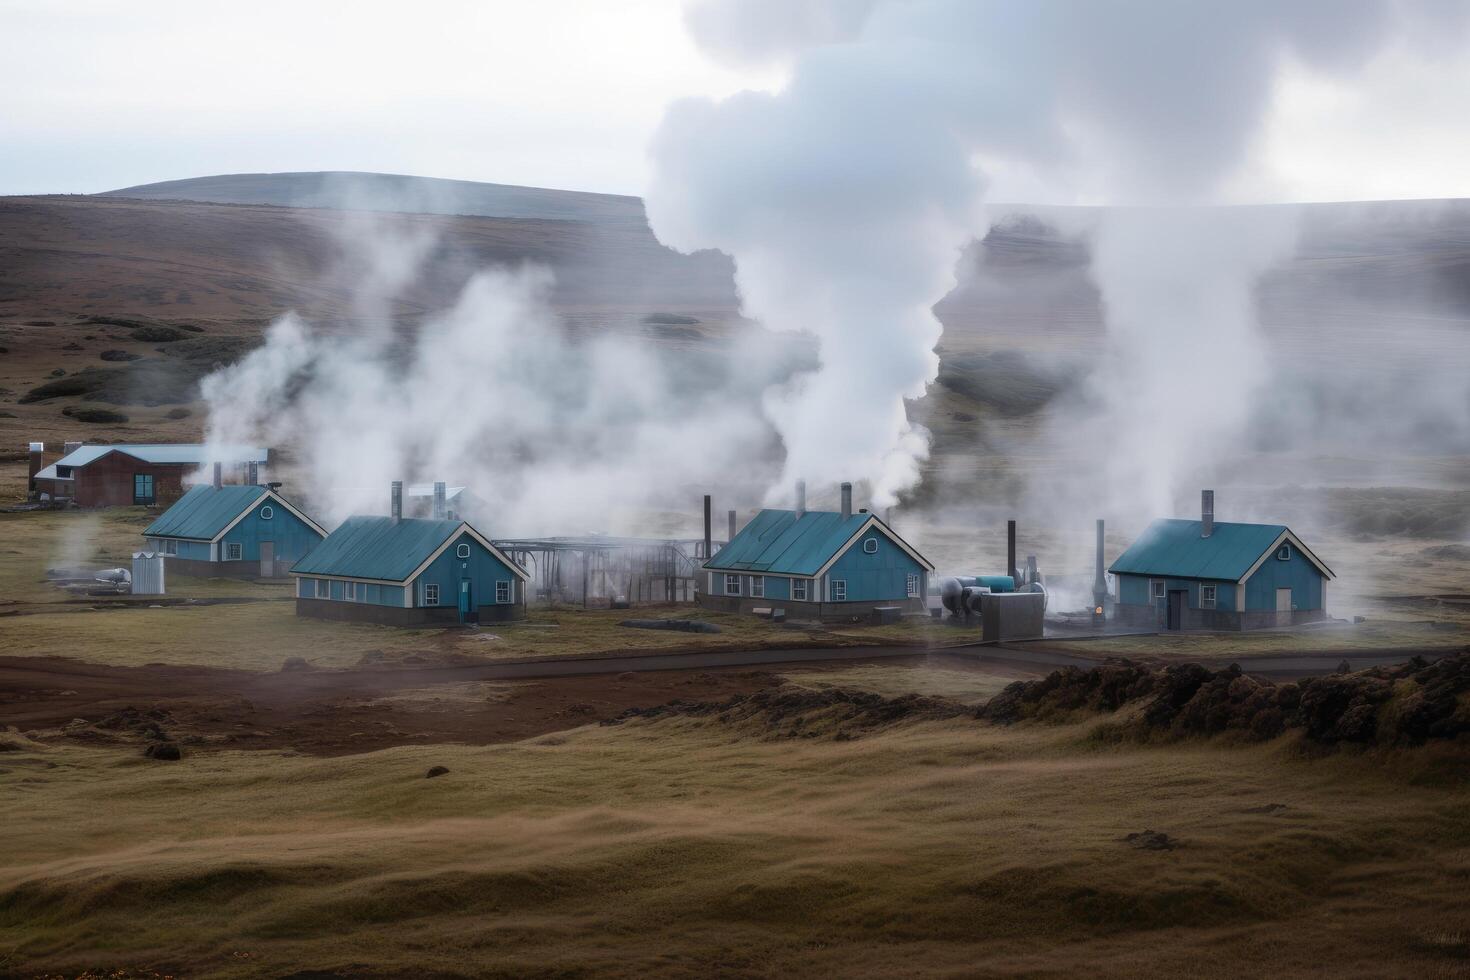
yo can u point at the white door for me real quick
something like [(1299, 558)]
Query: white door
[(1283, 607), (267, 559)]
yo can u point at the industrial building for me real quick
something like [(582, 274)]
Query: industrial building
[(817, 565), (235, 531), (1204, 574), (406, 571), (126, 474)]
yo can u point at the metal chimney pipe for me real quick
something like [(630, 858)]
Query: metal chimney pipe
[(732, 526), (708, 541), (70, 447), (396, 501), (846, 501), (37, 462), (1011, 550), (440, 508), (252, 476), (219, 475), (800, 497), (1206, 513), (1099, 582)]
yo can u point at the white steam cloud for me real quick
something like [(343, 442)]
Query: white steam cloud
[(846, 197)]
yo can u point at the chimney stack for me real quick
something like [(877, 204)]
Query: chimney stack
[(1206, 513), (396, 501), (846, 501), (253, 473), (70, 447), (1011, 569), (1099, 582), (708, 530), (800, 498), (732, 526), (440, 507), (37, 451), (219, 475)]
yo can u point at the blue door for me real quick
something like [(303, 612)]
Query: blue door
[(466, 601)]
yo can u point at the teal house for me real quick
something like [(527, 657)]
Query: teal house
[(405, 571), (1183, 574), (816, 565), (232, 530)]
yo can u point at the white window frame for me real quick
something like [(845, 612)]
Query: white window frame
[(870, 541), (798, 590), (757, 586), (732, 584), (431, 593), (1285, 547), (267, 512), (503, 588), (349, 591), (838, 588), (1157, 589), (462, 550), (170, 546), (1210, 602), (233, 551), (911, 586), (323, 588)]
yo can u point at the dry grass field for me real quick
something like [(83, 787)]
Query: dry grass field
[(689, 847)]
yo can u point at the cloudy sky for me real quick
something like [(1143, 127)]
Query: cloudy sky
[(560, 93)]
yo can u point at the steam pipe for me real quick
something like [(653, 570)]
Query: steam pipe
[(732, 527), (219, 475), (441, 506), (846, 501), (1011, 569), (395, 500), (1099, 582)]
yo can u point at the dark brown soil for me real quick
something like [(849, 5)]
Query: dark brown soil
[(328, 713)]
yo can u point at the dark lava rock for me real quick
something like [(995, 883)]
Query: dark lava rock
[(436, 771), (178, 413), (1151, 840), (119, 355), (296, 663), (58, 373), (683, 625), (164, 751)]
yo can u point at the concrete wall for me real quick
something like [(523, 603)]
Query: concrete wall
[(830, 612), (1151, 617), (364, 612)]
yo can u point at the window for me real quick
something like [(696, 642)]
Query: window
[(758, 586), (143, 488), (732, 585), (1283, 553), (502, 591), (912, 586), (463, 551), (266, 513), (349, 591), (431, 594), (839, 590), (1156, 588), (1207, 597), (234, 551), (870, 546), (170, 547), (323, 589), (798, 590)]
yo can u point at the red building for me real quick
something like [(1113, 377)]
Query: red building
[(124, 475)]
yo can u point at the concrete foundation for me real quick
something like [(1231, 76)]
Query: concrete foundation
[(826, 612), (1154, 617), (366, 612)]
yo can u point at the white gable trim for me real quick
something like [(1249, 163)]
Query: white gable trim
[(517, 570), (873, 523), (258, 501), (1296, 542)]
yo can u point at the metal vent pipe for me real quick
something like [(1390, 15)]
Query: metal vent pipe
[(1011, 569), (708, 541), (1206, 513), (440, 508), (800, 497), (846, 501), (219, 475), (395, 504)]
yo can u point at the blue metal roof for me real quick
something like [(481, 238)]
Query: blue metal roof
[(780, 542), (1175, 548), (204, 511), (377, 548)]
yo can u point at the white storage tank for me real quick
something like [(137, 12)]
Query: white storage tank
[(148, 573)]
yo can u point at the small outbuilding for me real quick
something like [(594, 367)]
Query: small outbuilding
[(233, 530), (817, 565), (405, 571), (120, 475), (1183, 574)]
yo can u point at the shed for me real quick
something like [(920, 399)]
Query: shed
[(816, 564), (409, 571), (133, 473), (233, 530), (1183, 574)]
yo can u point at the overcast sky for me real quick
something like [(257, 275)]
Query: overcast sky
[(557, 93)]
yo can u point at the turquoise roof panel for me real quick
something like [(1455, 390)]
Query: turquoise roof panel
[(204, 511), (377, 548), (1175, 548), (780, 542)]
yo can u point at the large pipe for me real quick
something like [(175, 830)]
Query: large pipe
[(1011, 569), (1099, 582), (800, 497), (707, 529), (1206, 513), (252, 476), (219, 475), (395, 501), (846, 501), (440, 506)]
